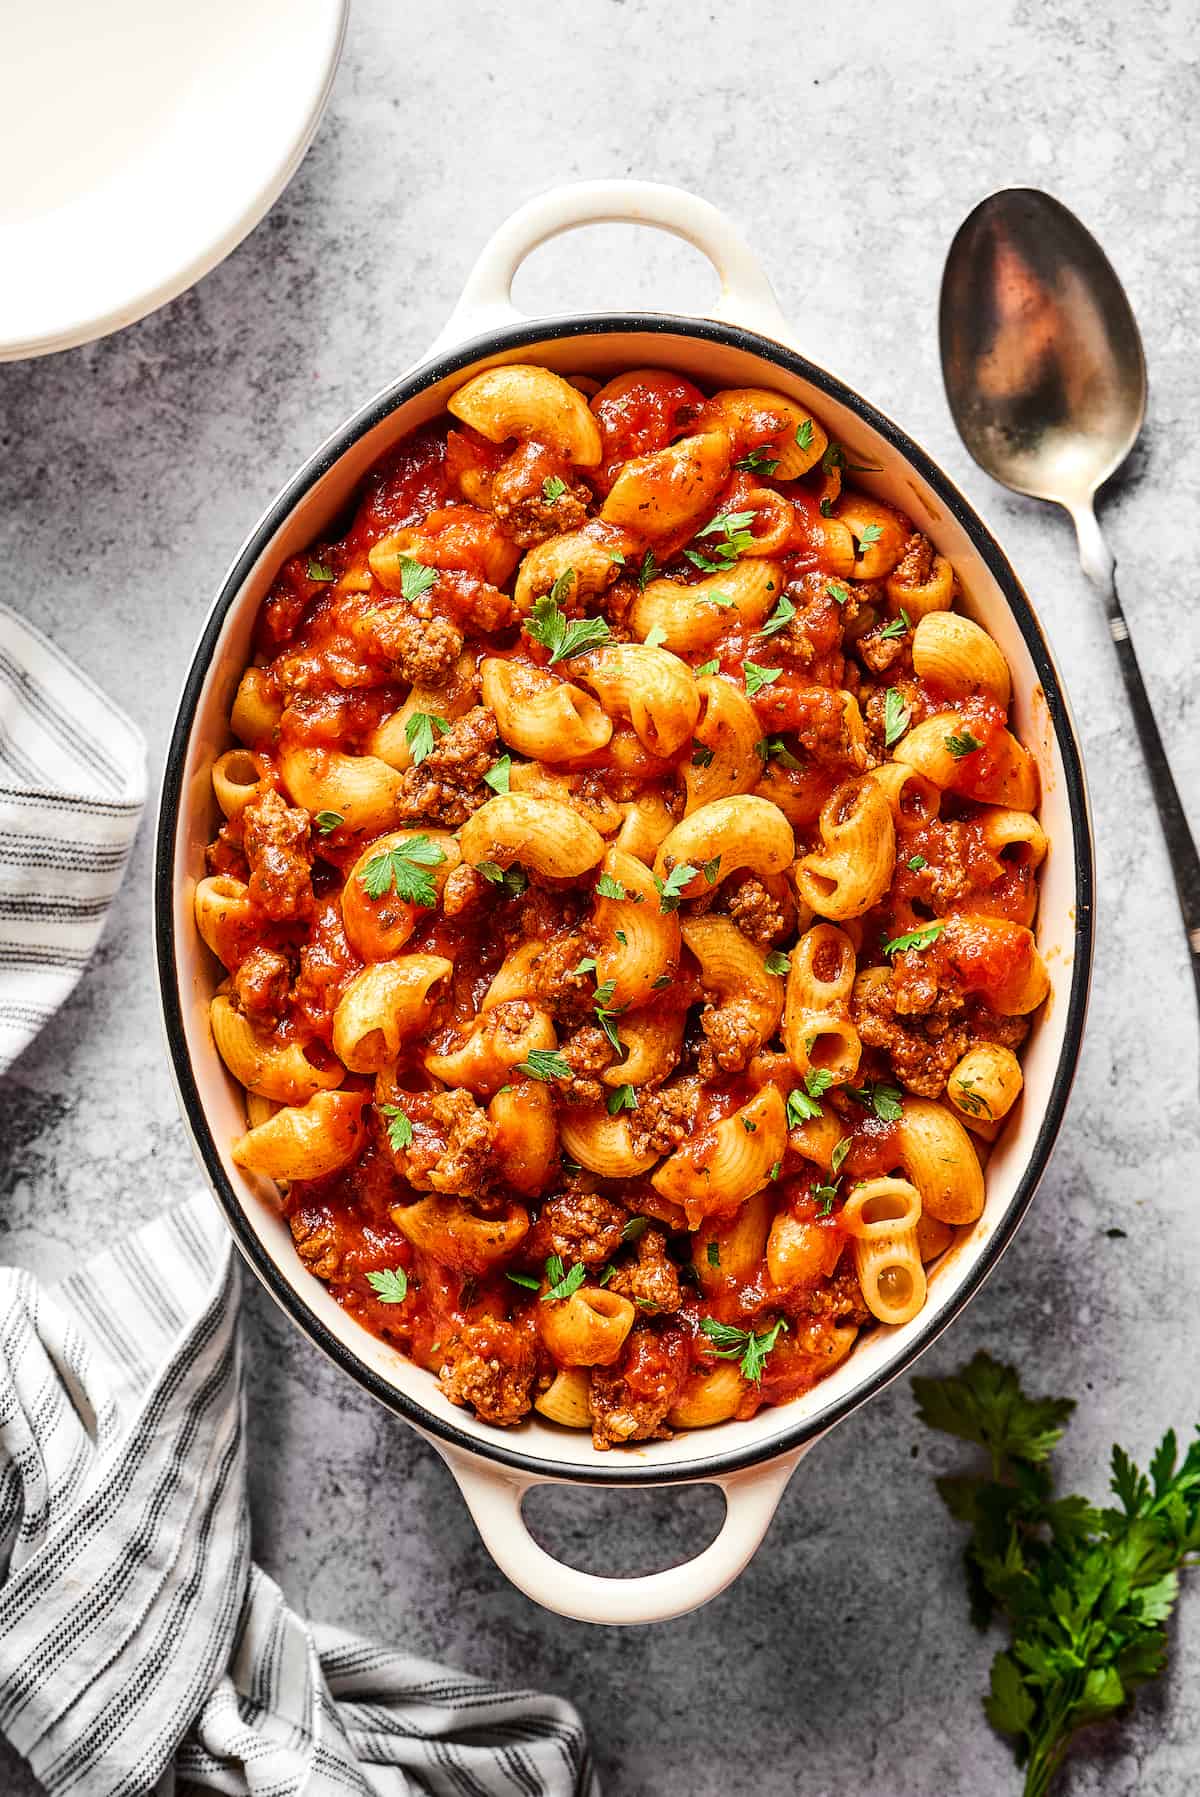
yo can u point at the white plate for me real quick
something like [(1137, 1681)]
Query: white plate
[(140, 140)]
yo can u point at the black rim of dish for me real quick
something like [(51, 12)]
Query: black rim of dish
[(612, 1468)]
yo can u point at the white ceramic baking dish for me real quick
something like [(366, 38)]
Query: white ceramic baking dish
[(744, 341)]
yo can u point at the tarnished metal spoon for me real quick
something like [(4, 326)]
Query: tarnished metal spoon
[(1046, 379)]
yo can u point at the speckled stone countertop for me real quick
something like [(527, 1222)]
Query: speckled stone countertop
[(848, 145)]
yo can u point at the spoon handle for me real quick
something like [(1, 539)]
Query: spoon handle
[(1100, 568)]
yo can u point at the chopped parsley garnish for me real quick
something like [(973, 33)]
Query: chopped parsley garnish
[(917, 939), (327, 821), (419, 732), (701, 755), (670, 890), (647, 571), (897, 716), (607, 887), (549, 626), (587, 965), (636, 1226), (562, 1284), (617, 556), (499, 774), (971, 1101), (835, 457), (553, 487), (390, 1286), (735, 537), (708, 667), (526, 1279), (512, 880), (773, 748), (897, 627), (756, 677), (776, 962), (725, 600), (320, 571), (622, 938), (804, 434), (622, 1098), (399, 1129), (966, 744), (875, 1096), (545, 1064), (869, 536), (916, 863), (402, 870), (711, 869), (713, 1254), (779, 619), (750, 1128), (415, 578), (837, 592), (826, 1197), (731, 1343), (774, 1172), (757, 461), (840, 1151), (826, 508), (655, 636), (801, 1108)]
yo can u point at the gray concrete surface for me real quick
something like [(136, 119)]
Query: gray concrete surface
[(848, 143)]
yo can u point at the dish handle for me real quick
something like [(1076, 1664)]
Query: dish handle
[(494, 1496), (746, 297)]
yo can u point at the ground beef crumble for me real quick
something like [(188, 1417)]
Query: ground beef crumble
[(630, 1400), (661, 1120), (587, 1053), (521, 503), (578, 1226), (652, 1279), (452, 1152), (261, 983), (448, 785), (278, 844), (421, 646), (490, 1367)]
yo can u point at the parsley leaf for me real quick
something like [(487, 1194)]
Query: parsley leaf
[(971, 1101), (702, 756), (875, 1096), (562, 1284), (327, 821), (636, 1227), (757, 461), (827, 1195), (711, 869), (837, 592), (916, 863), (734, 538), (399, 1129), (402, 870), (607, 887), (826, 508), (801, 1108), (897, 716), (545, 1064), (670, 890), (419, 734), (617, 556), (708, 667), (621, 1098), (320, 571), (840, 1151), (512, 880), (655, 636), (966, 744), (897, 627), (526, 1279), (415, 578), (713, 1254), (782, 616), (804, 434), (869, 536), (548, 625), (553, 487), (732, 1343), (917, 939), (390, 1286), (647, 571), (756, 678), (776, 962), (499, 775), (773, 748)]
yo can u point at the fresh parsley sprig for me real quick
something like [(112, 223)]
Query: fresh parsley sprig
[(549, 625), (421, 731), (1085, 1592), (731, 1343), (918, 939), (401, 870)]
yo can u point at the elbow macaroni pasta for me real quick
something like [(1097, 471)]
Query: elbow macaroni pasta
[(624, 941)]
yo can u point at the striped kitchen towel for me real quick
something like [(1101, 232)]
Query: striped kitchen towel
[(72, 786), (140, 1650)]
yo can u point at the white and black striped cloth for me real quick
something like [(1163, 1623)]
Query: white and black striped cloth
[(140, 1649)]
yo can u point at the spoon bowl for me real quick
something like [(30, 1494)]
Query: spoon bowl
[(1046, 380), (1041, 352)]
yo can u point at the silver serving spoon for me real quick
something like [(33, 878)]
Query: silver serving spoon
[(1046, 379)]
